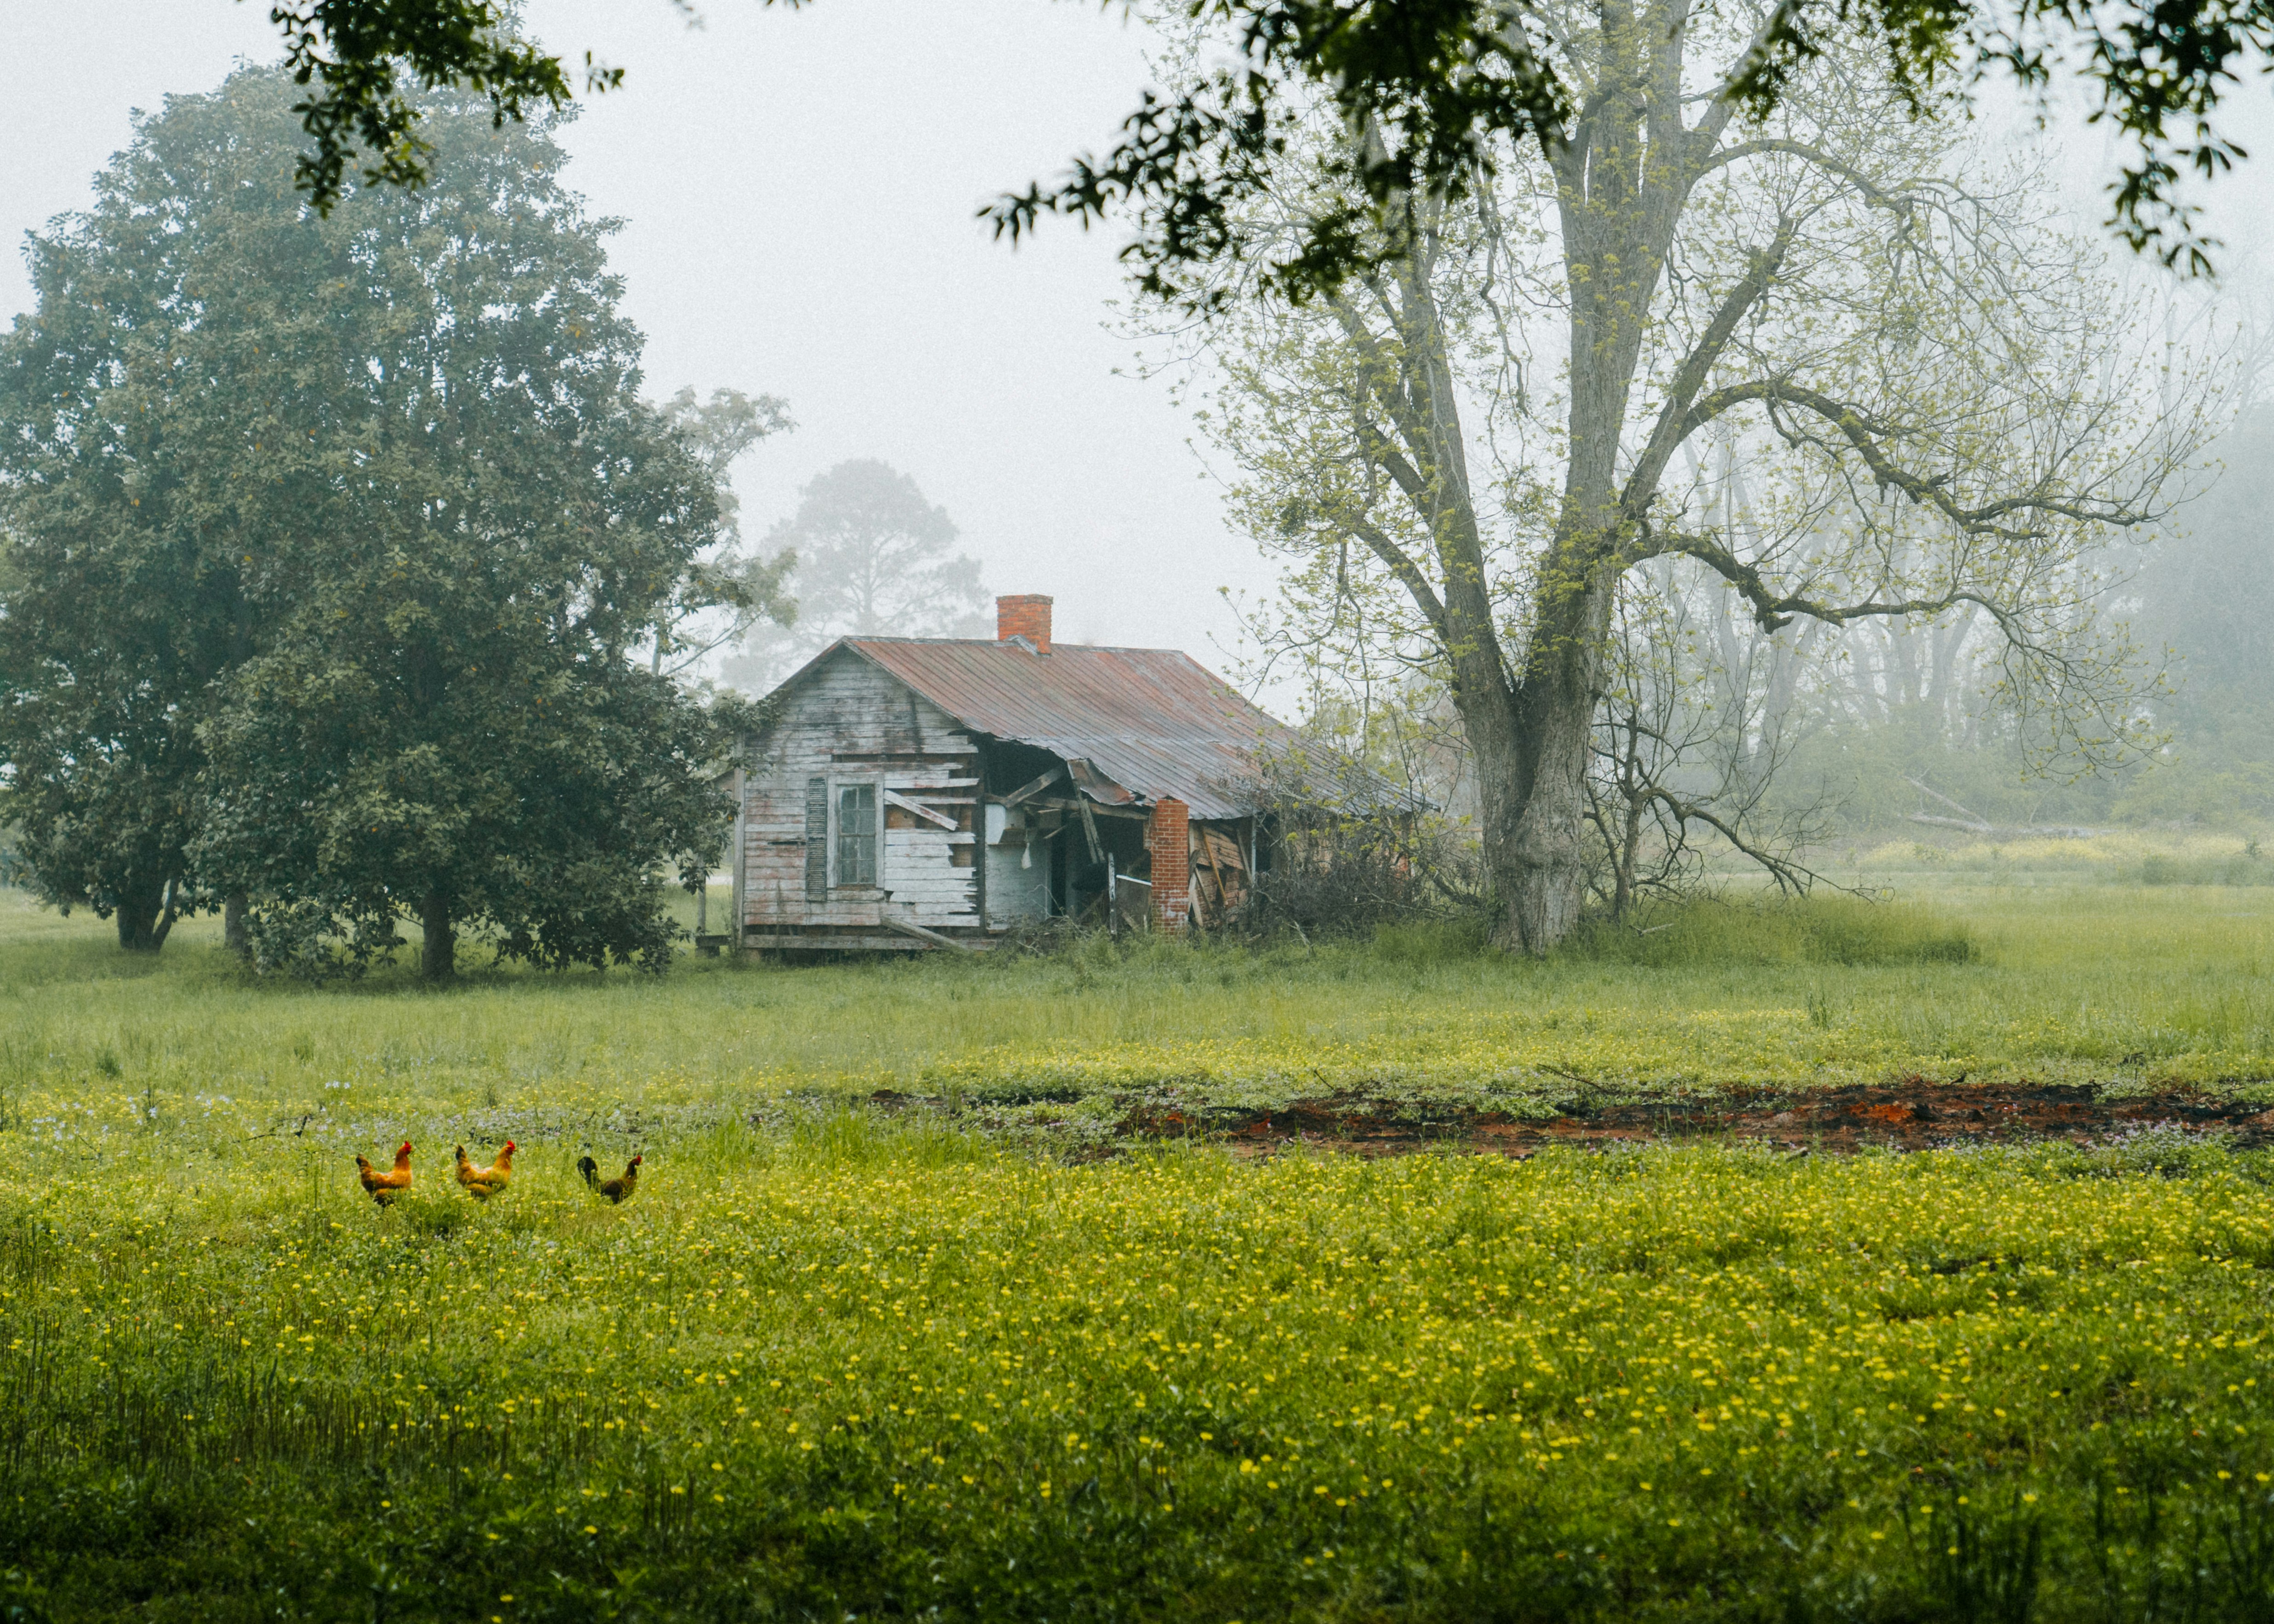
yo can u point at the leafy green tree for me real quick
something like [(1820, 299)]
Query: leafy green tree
[(146, 482), (1943, 407), (342, 535)]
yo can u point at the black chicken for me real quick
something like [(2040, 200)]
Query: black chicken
[(617, 1190)]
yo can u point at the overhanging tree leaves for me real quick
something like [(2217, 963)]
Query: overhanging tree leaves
[(1440, 83), (365, 61), (1441, 87)]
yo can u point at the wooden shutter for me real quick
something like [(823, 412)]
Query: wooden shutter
[(816, 839)]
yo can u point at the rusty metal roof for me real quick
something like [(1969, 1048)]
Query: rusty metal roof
[(1132, 725)]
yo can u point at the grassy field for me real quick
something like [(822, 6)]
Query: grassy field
[(954, 1363)]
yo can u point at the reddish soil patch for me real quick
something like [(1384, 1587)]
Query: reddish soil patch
[(1911, 1114)]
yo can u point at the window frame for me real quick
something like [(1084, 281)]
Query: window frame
[(874, 835)]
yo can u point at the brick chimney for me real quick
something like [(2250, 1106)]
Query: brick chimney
[(1026, 615), (1168, 837)]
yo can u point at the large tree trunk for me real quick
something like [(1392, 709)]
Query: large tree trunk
[(1538, 854), (145, 915), (138, 918), (1549, 882), (1529, 726), (438, 960), (235, 934)]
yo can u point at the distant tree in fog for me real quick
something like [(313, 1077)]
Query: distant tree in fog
[(873, 559)]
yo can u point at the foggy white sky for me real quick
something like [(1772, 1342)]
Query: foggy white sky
[(798, 191)]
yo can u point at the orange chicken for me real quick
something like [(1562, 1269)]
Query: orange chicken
[(617, 1190), (384, 1187), (482, 1183)]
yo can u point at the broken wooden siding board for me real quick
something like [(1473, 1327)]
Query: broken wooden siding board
[(911, 928), (894, 798), (1219, 871), (1224, 849)]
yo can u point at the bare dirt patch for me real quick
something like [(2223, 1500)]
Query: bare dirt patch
[(1914, 1114)]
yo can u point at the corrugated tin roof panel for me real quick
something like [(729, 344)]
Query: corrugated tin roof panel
[(1153, 722)]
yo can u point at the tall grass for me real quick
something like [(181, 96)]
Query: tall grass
[(1832, 929), (2097, 984)]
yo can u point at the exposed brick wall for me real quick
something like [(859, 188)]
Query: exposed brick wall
[(1168, 837), (1027, 615)]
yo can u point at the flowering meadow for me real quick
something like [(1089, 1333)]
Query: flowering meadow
[(854, 1374), (975, 1360)]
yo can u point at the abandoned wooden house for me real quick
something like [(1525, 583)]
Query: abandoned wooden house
[(909, 793)]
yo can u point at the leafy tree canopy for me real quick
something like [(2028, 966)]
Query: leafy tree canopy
[(1435, 85), (146, 482), (337, 541)]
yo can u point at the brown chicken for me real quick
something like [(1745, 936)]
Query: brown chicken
[(618, 1191), (384, 1187), (482, 1183)]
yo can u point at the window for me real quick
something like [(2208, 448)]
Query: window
[(856, 834)]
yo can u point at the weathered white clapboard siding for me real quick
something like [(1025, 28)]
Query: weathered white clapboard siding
[(919, 870), (850, 722)]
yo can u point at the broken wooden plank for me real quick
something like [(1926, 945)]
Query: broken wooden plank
[(894, 798), (1208, 851), (1089, 828), (1223, 851), (909, 928), (1034, 788)]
